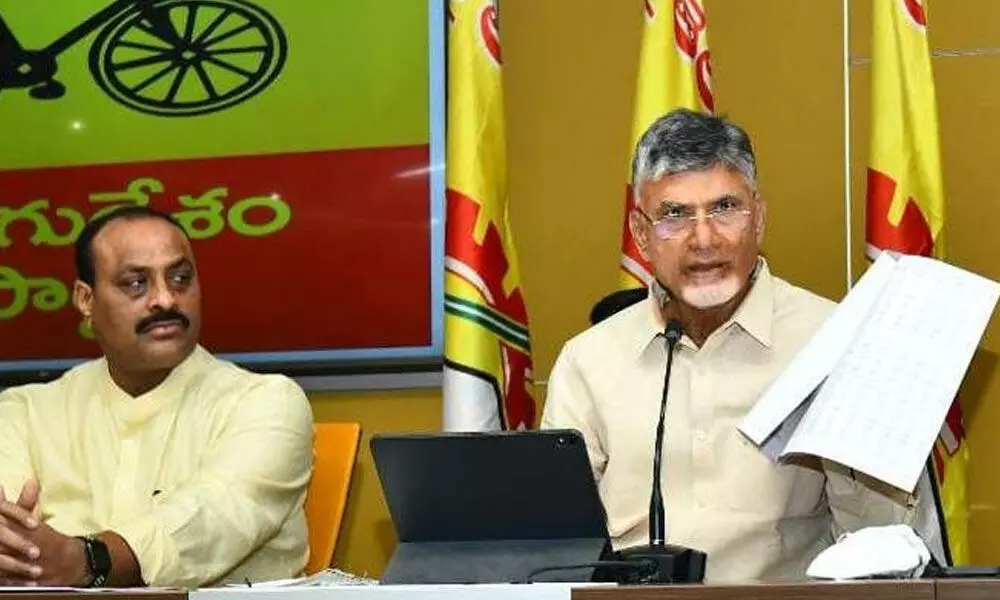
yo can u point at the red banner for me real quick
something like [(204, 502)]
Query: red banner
[(305, 251)]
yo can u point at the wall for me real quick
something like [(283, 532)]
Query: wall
[(570, 72)]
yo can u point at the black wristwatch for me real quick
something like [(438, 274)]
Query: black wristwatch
[(98, 561)]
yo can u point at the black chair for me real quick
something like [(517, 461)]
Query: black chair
[(614, 302)]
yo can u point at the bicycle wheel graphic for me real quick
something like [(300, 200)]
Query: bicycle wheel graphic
[(181, 58)]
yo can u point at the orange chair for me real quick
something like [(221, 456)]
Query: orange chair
[(336, 450)]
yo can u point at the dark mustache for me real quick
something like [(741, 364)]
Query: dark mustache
[(162, 317)]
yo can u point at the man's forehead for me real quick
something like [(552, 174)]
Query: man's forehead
[(695, 188), (144, 240)]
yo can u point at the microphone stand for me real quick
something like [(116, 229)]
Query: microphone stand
[(673, 564)]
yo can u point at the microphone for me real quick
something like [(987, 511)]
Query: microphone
[(657, 521), (674, 564)]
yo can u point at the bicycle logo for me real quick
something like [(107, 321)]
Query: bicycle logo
[(170, 58)]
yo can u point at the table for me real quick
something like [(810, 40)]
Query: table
[(85, 595), (919, 589), (916, 589), (968, 589)]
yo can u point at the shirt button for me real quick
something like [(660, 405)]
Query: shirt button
[(700, 435)]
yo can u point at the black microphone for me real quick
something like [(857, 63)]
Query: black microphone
[(675, 564), (657, 521)]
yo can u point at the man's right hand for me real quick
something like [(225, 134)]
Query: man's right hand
[(17, 553)]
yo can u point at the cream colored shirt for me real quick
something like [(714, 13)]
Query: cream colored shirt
[(756, 520), (205, 476)]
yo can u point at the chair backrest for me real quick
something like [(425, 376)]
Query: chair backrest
[(614, 302), (336, 451)]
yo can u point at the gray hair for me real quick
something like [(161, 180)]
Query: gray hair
[(684, 140)]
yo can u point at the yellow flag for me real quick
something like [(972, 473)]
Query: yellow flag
[(674, 71), (487, 374), (905, 201)]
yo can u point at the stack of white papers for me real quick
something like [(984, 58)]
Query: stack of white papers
[(872, 388), (325, 578)]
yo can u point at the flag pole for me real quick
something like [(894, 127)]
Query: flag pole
[(848, 267)]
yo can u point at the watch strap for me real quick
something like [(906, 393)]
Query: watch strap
[(98, 561)]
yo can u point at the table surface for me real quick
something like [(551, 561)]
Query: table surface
[(916, 589), (968, 589), (136, 594)]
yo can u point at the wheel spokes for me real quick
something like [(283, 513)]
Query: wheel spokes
[(141, 62), (140, 46), (216, 22), (176, 85), (206, 81), (240, 50), (153, 79), (192, 19), (230, 67), (225, 36)]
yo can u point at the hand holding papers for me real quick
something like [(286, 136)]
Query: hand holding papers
[(872, 388)]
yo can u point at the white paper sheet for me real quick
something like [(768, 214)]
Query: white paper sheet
[(889, 386), (815, 362)]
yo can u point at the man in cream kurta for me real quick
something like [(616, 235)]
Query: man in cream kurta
[(699, 220), (755, 520), (204, 476), (157, 464)]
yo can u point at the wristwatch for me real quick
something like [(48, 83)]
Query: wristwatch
[(98, 561)]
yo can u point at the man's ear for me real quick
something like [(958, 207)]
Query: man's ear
[(760, 222), (83, 299), (639, 233)]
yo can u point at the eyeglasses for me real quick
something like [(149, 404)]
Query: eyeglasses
[(727, 215)]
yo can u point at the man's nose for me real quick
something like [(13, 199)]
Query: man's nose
[(161, 297), (702, 232)]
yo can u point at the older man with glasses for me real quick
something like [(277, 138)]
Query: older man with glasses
[(699, 219)]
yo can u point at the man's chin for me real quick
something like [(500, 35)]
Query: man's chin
[(705, 297), (165, 353)]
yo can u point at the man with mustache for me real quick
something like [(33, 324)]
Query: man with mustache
[(698, 218), (157, 464)]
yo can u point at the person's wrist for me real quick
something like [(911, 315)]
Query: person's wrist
[(76, 559)]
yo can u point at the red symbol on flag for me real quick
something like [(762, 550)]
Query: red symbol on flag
[(489, 261), (689, 22), (911, 236), (489, 32), (915, 8), (703, 74)]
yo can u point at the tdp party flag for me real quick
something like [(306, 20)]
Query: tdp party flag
[(675, 71), (487, 374), (905, 202)]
